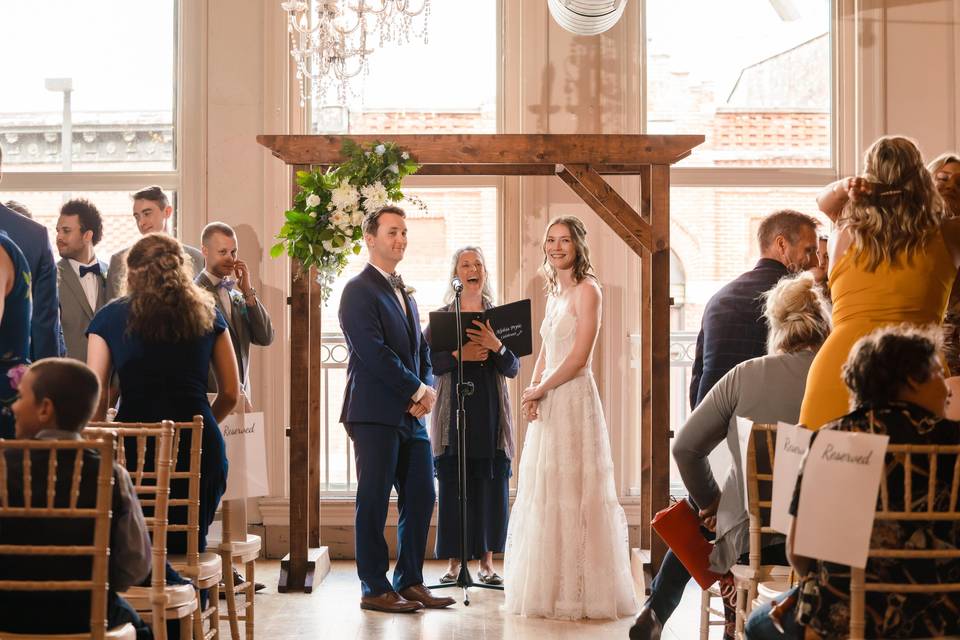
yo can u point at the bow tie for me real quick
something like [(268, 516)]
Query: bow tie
[(94, 269), (227, 283), (397, 282)]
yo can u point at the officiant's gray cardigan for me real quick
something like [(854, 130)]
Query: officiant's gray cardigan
[(765, 390), (442, 410)]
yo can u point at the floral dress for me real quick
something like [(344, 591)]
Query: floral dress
[(14, 333), (824, 601)]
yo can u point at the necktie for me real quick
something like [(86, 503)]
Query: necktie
[(227, 283), (94, 269), (397, 282)]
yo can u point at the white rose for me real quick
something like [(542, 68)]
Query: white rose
[(405, 155), (328, 246), (394, 168), (313, 214), (344, 196), (379, 149), (313, 200), (357, 218)]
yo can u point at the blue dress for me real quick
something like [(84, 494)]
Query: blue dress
[(14, 331), (168, 381)]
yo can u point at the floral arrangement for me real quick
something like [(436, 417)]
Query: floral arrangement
[(325, 226)]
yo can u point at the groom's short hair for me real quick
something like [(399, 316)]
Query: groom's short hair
[(371, 224)]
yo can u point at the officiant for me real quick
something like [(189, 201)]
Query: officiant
[(489, 429)]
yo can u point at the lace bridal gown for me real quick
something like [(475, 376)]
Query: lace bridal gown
[(567, 553)]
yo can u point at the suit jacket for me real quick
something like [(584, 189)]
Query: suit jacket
[(389, 357), (248, 325), (117, 273), (75, 311), (46, 337), (733, 328)]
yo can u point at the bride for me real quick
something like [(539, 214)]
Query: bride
[(567, 546)]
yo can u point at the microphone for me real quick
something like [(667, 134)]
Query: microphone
[(456, 284)]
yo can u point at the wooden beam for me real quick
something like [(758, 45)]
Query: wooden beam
[(512, 169), (660, 347), (315, 419), (612, 209), (500, 149)]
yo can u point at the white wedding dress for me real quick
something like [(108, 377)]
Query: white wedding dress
[(567, 553)]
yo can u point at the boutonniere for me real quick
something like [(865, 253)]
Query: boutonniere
[(409, 290), (15, 375)]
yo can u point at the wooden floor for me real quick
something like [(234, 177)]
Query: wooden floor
[(332, 611)]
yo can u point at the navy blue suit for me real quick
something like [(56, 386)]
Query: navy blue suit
[(389, 360), (46, 338)]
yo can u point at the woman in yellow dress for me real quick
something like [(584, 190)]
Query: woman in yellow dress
[(896, 259)]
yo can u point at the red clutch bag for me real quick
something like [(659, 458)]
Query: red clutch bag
[(679, 526)]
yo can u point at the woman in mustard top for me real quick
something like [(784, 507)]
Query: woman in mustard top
[(897, 257)]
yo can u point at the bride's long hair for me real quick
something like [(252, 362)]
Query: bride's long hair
[(582, 268)]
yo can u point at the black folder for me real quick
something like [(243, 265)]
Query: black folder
[(511, 322)]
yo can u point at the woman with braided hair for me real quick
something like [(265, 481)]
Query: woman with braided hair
[(896, 257), (160, 338)]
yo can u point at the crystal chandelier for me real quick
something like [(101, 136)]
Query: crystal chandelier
[(331, 40)]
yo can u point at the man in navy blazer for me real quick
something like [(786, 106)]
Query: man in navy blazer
[(46, 339), (387, 395)]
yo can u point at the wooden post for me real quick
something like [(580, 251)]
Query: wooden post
[(314, 420), (646, 415)]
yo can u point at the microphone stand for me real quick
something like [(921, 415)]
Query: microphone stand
[(464, 389)]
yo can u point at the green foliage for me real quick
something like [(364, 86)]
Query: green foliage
[(324, 227)]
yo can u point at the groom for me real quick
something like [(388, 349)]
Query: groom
[(387, 395)]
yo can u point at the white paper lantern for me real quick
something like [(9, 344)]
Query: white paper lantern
[(586, 17)]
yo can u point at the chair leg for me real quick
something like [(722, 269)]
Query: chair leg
[(251, 595), (741, 612), (705, 614), (197, 619), (186, 625), (228, 586)]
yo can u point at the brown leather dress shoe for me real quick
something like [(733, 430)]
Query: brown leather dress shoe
[(646, 626), (421, 594), (389, 602)]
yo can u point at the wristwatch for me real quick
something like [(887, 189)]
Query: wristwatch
[(502, 350), (251, 293)]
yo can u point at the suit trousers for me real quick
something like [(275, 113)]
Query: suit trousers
[(392, 457)]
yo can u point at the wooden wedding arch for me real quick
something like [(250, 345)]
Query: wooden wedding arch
[(580, 160)]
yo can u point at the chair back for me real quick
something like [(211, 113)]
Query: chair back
[(926, 462), (760, 457), (55, 499), (151, 482)]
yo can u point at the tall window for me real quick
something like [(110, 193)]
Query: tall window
[(88, 107), (756, 79), (458, 212)]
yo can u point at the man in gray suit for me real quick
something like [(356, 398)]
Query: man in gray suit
[(152, 212), (81, 277), (228, 279)]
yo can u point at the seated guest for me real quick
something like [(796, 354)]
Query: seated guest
[(57, 398), (80, 275), (152, 212), (896, 381), (733, 328), (161, 339), (767, 389), (945, 170), (46, 339), (489, 443), (228, 279), (14, 325)]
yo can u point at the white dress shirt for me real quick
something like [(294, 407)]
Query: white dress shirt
[(403, 305), (88, 281), (223, 294)]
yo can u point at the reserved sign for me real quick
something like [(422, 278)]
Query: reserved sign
[(791, 446), (838, 496)]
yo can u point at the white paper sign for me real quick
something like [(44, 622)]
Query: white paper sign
[(744, 427), (246, 453), (841, 478), (792, 443)]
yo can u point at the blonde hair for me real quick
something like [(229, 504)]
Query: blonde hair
[(165, 304), (582, 268), (943, 159), (903, 212), (797, 314), (486, 292)]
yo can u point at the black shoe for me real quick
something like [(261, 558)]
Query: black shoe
[(239, 579), (646, 626)]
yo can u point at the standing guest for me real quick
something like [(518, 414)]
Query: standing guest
[(161, 338), (733, 328), (946, 176), (15, 308), (228, 279), (57, 396), (486, 364), (388, 393), (80, 275), (895, 260), (152, 212), (766, 390), (46, 338), (19, 207)]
